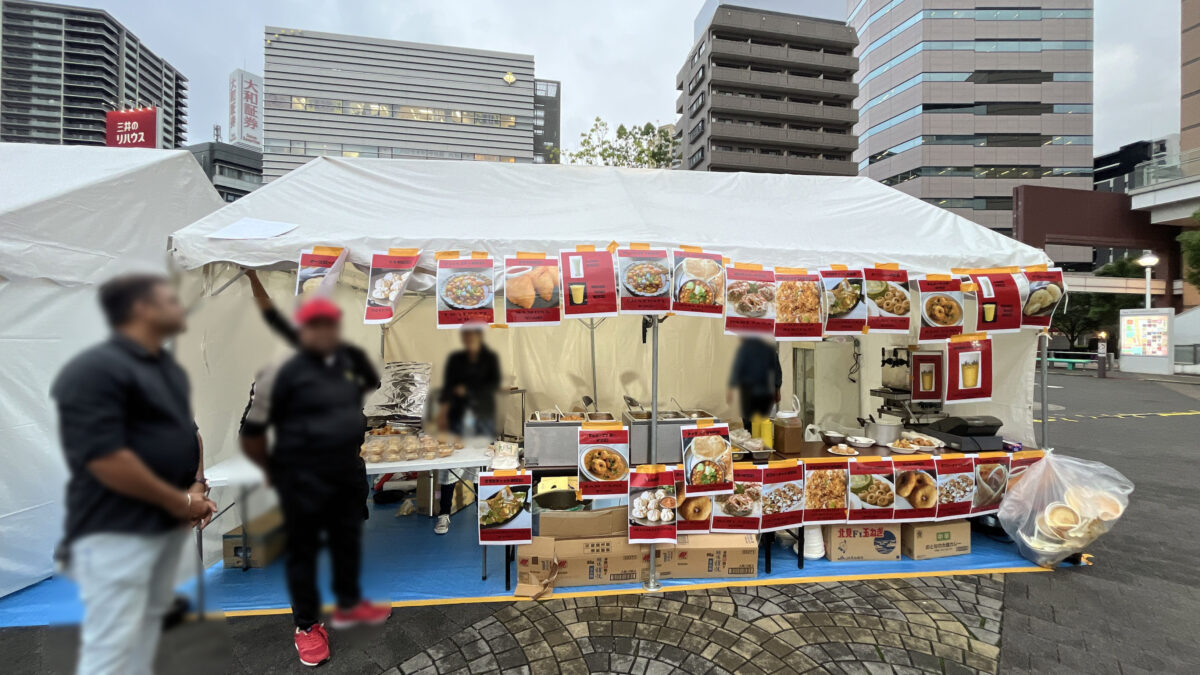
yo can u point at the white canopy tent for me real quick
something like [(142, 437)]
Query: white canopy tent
[(70, 218)]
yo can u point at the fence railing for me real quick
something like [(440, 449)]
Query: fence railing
[(1165, 169), (1187, 355)]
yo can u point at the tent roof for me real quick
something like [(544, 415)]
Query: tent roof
[(773, 219), (78, 214)]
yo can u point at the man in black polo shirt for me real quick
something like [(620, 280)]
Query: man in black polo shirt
[(136, 474), (313, 400)]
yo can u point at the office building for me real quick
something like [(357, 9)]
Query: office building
[(547, 121), (1189, 103), (351, 96), (1117, 170), (768, 91), (63, 68), (235, 171), (960, 102)]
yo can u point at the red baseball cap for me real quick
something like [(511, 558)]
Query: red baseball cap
[(316, 309)]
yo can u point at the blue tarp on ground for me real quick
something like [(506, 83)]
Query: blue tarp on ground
[(405, 561)]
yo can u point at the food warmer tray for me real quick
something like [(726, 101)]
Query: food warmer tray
[(553, 442), (670, 445)]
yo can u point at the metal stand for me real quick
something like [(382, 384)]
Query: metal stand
[(652, 584), (800, 547), (1044, 346), (199, 574)]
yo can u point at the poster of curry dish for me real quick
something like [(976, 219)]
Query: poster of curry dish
[(603, 461), (749, 300), (644, 280), (707, 460), (698, 283), (889, 306), (940, 303), (464, 292), (532, 293), (845, 306), (798, 313), (503, 508)]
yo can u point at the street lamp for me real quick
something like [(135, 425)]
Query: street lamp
[(1148, 260)]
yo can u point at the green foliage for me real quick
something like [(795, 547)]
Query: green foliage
[(1076, 319), (644, 147), (1091, 312), (1189, 245)]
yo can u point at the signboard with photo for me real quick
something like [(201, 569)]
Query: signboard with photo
[(465, 289), (940, 300), (707, 459), (603, 466), (316, 263), (694, 515), (652, 505), (532, 294), (698, 283), (998, 302), (915, 480), (889, 306), (845, 306), (503, 508), (644, 280), (749, 300), (797, 305), (782, 495), (969, 369), (927, 377), (872, 495), (825, 490), (740, 511), (390, 271), (1019, 463), (956, 486), (991, 481), (1046, 291), (589, 284)]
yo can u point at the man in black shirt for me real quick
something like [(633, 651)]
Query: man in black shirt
[(756, 376), (136, 474), (313, 400)]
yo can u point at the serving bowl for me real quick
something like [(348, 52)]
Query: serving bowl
[(832, 437), (860, 441)]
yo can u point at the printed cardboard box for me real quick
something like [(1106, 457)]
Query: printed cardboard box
[(266, 541), (922, 541), (879, 541), (580, 548), (709, 556)]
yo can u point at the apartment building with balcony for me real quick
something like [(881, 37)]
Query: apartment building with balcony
[(63, 68), (768, 91), (961, 101)]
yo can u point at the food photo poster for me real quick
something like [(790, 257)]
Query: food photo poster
[(603, 461), (589, 282), (532, 293), (390, 272), (749, 300), (465, 291), (503, 508), (645, 280)]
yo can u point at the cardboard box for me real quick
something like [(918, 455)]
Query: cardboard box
[(876, 541), (922, 541), (580, 548), (708, 556), (464, 495), (580, 524), (266, 541)]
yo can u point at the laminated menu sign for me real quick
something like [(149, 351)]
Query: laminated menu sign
[(797, 305), (694, 515), (998, 302), (740, 511), (1019, 463), (845, 310), (590, 284), (969, 369), (956, 486), (644, 276), (940, 300), (390, 271), (316, 263), (464, 292), (782, 495), (991, 481), (872, 495), (652, 505), (707, 459), (749, 300), (1046, 291), (603, 460), (889, 307), (698, 283), (915, 480), (927, 376), (825, 490), (503, 508), (532, 295)]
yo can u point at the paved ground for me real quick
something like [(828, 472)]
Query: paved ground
[(1132, 612)]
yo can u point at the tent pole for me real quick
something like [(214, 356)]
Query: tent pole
[(1044, 345), (592, 335), (652, 581)]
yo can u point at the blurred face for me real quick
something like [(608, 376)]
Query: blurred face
[(472, 340), (161, 311), (321, 336)]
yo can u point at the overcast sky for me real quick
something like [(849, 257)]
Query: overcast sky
[(616, 59)]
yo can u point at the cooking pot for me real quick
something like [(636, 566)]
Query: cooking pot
[(884, 431)]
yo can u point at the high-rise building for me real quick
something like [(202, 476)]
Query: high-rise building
[(63, 68), (351, 96), (235, 171), (960, 102), (547, 121), (768, 91), (1189, 104)]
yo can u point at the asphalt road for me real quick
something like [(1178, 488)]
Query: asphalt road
[(1135, 609)]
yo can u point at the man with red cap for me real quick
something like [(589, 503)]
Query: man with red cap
[(313, 401)]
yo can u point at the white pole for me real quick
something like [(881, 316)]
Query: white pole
[(652, 584), (1147, 287)]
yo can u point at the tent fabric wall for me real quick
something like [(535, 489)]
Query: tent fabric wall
[(70, 218)]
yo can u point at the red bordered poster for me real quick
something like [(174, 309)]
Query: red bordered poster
[(532, 291), (927, 376), (1020, 463), (991, 481), (465, 292), (956, 486), (845, 305), (798, 314), (997, 303), (390, 272), (871, 495), (603, 466), (707, 459), (969, 369), (783, 495), (694, 515), (915, 479), (825, 491), (1046, 291), (749, 300), (315, 264), (889, 305), (740, 511), (652, 505), (589, 283), (644, 280), (940, 307), (503, 508), (698, 283)]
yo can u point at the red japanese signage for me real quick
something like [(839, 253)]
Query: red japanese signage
[(1046, 291), (991, 481), (707, 459), (915, 480), (998, 303), (749, 301), (603, 461), (695, 513), (503, 508), (825, 491), (385, 286), (652, 505), (797, 305), (464, 292), (968, 369), (589, 283), (845, 306), (532, 291), (698, 283), (956, 486), (741, 510), (872, 495), (138, 128), (940, 303), (928, 377), (889, 307), (644, 280), (782, 497)]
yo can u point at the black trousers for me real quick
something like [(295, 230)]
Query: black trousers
[(754, 403), (319, 505)]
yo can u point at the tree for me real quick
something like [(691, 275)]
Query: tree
[(644, 147), (1106, 307), (1076, 319), (1189, 245)]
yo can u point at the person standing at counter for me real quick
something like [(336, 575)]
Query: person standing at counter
[(313, 400), (467, 406), (756, 377)]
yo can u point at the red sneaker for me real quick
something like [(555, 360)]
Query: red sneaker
[(313, 645), (362, 613)]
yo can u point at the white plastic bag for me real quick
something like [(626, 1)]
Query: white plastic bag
[(1060, 505)]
